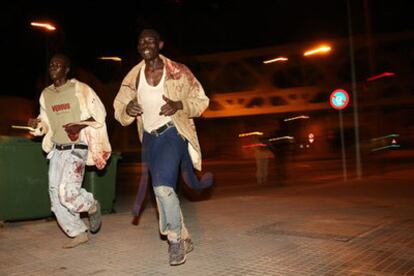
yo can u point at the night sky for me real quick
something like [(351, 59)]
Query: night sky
[(89, 29)]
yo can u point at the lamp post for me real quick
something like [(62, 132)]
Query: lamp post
[(354, 93), (47, 27)]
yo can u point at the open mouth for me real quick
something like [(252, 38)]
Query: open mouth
[(146, 52)]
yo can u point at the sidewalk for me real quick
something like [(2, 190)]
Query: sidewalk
[(355, 228)]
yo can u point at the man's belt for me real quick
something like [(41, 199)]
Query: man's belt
[(70, 146), (161, 129)]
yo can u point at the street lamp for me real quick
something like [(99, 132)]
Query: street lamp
[(118, 59), (44, 25), (323, 49), (48, 27), (278, 59)]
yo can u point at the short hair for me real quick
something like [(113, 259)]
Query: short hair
[(150, 32), (63, 57)]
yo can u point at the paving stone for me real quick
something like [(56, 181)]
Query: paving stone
[(270, 232)]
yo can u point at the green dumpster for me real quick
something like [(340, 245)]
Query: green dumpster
[(102, 183), (23, 180)]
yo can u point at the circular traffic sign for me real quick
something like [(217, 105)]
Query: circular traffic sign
[(339, 99)]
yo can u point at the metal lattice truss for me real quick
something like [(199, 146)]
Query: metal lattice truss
[(265, 102), (302, 84)]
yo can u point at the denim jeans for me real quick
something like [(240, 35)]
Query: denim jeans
[(67, 197), (162, 154)]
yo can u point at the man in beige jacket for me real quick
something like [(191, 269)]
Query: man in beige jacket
[(72, 120), (163, 96)]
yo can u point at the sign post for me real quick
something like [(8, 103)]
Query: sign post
[(339, 99)]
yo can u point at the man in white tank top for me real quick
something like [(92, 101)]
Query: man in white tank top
[(163, 96)]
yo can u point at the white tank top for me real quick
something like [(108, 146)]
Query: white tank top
[(150, 99)]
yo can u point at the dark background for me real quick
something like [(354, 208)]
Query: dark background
[(89, 29)]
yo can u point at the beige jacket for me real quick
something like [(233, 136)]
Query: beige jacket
[(180, 84), (95, 135)]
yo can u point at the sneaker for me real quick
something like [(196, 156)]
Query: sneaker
[(176, 252), (188, 245), (78, 240), (95, 218)]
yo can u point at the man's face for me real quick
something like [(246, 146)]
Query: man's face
[(149, 45), (57, 68)]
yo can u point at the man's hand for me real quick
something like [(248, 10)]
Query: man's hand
[(170, 107), (73, 130), (33, 122), (133, 109)]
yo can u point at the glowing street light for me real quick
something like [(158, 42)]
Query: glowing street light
[(44, 25), (320, 50), (275, 60), (111, 58)]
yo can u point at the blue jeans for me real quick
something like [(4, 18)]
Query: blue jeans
[(162, 154), (187, 172)]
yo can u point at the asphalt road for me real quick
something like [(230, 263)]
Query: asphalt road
[(233, 176)]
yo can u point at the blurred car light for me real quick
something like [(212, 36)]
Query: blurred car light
[(296, 118), (281, 138), (385, 142), (250, 134), (385, 74), (254, 145)]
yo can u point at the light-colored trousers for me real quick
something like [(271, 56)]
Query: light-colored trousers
[(171, 221), (68, 198)]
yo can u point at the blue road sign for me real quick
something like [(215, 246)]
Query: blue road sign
[(339, 99)]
